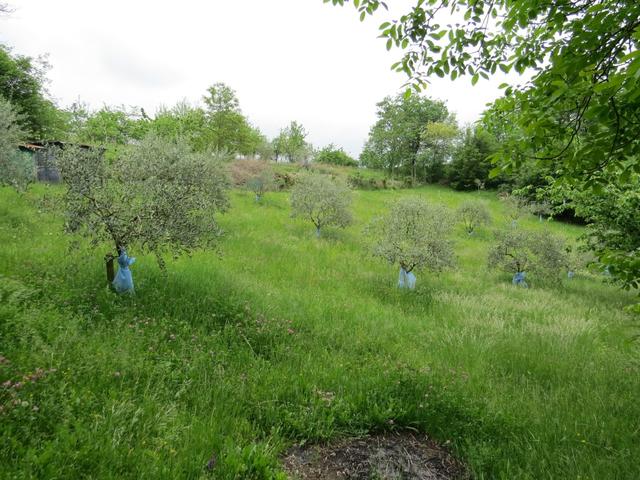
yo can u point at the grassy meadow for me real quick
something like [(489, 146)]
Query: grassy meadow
[(282, 338)]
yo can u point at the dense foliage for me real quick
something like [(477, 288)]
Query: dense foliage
[(397, 137), (291, 144), (334, 156), (218, 125), (435, 150), (16, 169), (470, 165), (106, 126), (613, 231), (22, 82)]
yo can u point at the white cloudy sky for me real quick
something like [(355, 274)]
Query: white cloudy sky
[(287, 59)]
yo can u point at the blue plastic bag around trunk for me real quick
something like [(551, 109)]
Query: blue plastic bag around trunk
[(406, 279), (123, 281), (518, 279), (570, 274)]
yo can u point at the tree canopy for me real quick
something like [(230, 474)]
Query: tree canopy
[(397, 136), (322, 201), (16, 169), (291, 143), (335, 156), (22, 82), (158, 196), (414, 234)]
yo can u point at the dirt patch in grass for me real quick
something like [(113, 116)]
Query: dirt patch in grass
[(392, 456)]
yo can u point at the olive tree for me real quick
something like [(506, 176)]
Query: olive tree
[(577, 114), (324, 202), (473, 215), (520, 251), (261, 183), (16, 169), (414, 234), (541, 209), (516, 207), (158, 197)]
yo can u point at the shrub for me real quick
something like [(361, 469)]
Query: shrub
[(473, 215), (520, 251), (335, 156), (285, 180), (414, 235), (322, 201), (359, 181)]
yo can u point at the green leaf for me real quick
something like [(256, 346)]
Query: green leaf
[(474, 79), (495, 172)]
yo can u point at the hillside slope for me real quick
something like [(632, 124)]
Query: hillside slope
[(286, 338)]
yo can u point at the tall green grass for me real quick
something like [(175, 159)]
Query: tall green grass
[(287, 338)]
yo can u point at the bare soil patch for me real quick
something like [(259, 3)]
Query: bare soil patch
[(392, 456)]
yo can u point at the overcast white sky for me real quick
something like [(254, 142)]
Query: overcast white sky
[(287, 59)]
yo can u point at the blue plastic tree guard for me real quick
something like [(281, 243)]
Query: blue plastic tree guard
[(406, 279), (518, 279), (571, 274), (123, 281)]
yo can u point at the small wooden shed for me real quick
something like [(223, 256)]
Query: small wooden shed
[(43, 154)]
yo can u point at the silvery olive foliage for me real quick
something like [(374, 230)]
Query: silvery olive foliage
[(158, 196), (415, 235), (516, 207), (261, 183), (17, 169), (473, 214), (322, 201), (517, 250)]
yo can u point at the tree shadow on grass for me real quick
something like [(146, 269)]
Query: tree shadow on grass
[(386, 292), (174, 293)]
